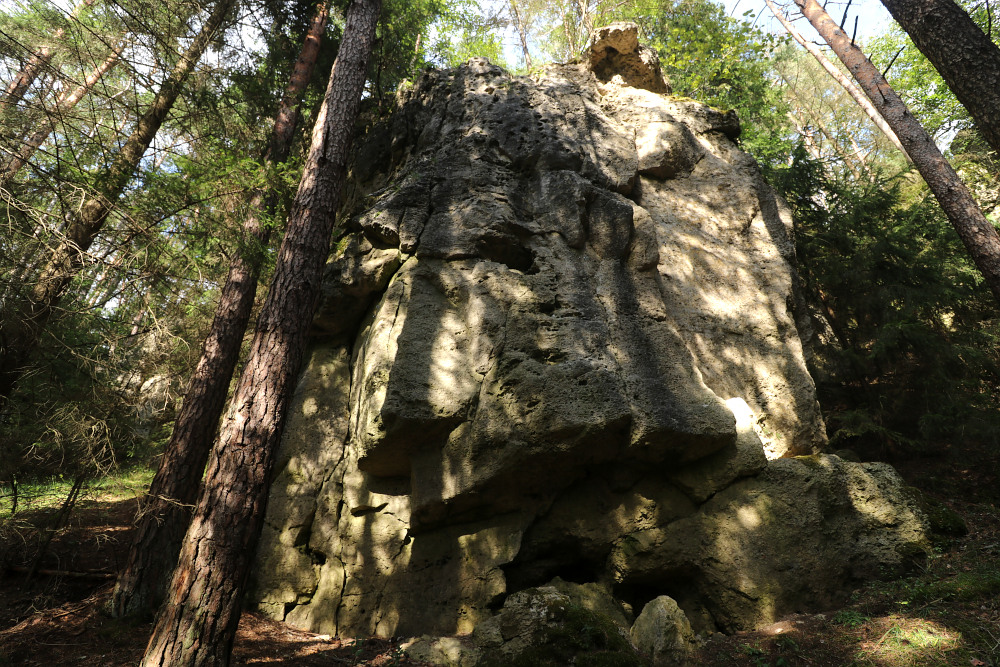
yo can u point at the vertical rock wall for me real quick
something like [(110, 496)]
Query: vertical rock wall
[(558, 339)]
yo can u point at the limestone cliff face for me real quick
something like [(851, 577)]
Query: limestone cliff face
[(557, 339)]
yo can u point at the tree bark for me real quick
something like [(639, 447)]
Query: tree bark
[(19, 331), (978, 235), (838, 76), (964, 56), (198, 622), (521, 32), (64, 104), (39, 60), (164, 515)]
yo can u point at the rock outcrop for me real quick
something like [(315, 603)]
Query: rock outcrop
[(557, 338)]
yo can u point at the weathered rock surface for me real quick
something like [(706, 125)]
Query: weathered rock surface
[(795, 536), (663, 632), (544, 626), (557, 339), (615, 51)]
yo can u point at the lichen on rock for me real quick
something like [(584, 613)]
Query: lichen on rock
[(558, 339), (663, 632)]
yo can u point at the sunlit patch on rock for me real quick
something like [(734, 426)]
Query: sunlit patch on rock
[(560, 340)]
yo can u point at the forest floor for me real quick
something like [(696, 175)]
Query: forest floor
[(947, 613)]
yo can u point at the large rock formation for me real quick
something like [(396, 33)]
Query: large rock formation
[(557, 339)]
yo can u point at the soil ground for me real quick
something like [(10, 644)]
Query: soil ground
[(948, 613)]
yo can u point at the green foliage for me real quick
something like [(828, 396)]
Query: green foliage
[(918, 83), (850, 618), (977, 580), (50, 492), (979, 169), (917, 351), (461, 32), (963, 586), (722, 61), (102, 383)]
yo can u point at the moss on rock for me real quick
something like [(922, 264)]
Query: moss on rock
[(539, 627), (944, 523)]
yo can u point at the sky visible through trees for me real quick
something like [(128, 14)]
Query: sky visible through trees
[(872, 19)]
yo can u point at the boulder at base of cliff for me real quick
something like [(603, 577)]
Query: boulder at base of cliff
[(542, 627), (664, 633)]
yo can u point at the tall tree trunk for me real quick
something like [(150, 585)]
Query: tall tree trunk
[(521, 32), (19, 331), (569, 30), (964, 56), (39, 60), (198, 622), (64, 104), (978, 235), (839, 77), (586, 20), (164, 516)]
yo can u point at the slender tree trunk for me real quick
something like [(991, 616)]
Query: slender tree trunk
[(164, 516), (64, 104), (198, 622), (586, 20), (19, 331), (568, 31), (839, 77), (860, 156), (416, 53), (848, 160), (964, 56), (39, 60), (521, 32), (978, 235)]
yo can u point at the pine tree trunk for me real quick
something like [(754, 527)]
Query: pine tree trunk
[(63, 106), (807, 138), (978, 235), (857, 95), (165, 514), (39, 60), (197, 624), (964, 56), (20, 330)]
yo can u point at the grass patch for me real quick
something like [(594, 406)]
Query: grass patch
[(49, 494), (913, 641), (850, 618), (962, 586)]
